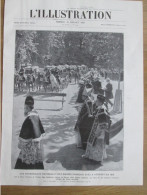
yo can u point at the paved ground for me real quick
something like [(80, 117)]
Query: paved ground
[(60, 150)]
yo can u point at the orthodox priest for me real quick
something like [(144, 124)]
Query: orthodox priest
[(30, 156), (92, 128), (80, 93), (85, 119), (99, 133)]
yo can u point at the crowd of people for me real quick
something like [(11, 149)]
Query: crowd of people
[(91, 130), (93, 123), (97, 86), (51, 78), (56, 78), (92, 126)]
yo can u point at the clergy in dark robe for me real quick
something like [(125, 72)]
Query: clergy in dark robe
[(97, 86), (30, 156), (99, 134), (80, 92), (85, 119)]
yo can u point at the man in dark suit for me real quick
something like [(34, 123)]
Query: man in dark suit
[(97, 86), (108, 91)]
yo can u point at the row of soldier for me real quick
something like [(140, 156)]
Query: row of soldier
[(56, 79), (52, 80)]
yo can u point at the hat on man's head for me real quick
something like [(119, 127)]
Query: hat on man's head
[(29, 101), (101, 97)]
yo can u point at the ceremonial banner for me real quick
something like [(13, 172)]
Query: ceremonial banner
[(72, 110)]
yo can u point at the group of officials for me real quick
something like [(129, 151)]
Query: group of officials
[(92, 126), (96, 88)]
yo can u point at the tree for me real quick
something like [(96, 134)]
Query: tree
[(104, 50)]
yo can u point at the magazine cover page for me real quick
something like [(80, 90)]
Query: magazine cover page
[(72, 112)]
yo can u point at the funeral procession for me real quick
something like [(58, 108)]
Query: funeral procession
[(68, 100)]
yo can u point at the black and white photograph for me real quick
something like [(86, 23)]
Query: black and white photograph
[(68, 101)]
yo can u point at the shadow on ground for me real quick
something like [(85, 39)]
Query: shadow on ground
[(71, 158), (59, 130), (115, 152)]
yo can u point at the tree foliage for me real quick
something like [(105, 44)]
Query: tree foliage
[(75, 48)]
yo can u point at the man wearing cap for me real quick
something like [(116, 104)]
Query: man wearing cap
[(30, 156)]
